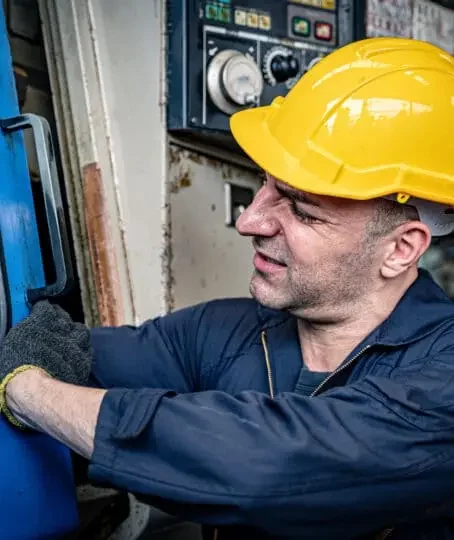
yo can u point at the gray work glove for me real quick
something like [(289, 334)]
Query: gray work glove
[(48, 339)]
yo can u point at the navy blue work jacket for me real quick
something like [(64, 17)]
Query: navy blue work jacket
[(203, 418)]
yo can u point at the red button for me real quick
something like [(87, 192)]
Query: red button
[(323, 31)]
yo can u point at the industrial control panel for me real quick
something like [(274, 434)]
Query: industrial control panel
[(227, 55)]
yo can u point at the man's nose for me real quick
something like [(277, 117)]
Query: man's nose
[(259, 219)]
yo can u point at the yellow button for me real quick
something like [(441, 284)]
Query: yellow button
[(329, 4), (252, 20), (264, 22)]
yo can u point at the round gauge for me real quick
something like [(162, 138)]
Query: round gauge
[(234, 81)]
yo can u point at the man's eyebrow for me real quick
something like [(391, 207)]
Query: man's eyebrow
[(296, 195)]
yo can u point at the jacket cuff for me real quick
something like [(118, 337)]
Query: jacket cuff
[(123, 416)]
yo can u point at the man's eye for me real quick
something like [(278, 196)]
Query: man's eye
[(302, 215)]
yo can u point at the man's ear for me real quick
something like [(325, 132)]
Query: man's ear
[(405, 247)]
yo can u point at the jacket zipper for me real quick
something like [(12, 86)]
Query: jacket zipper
[(322, 384), (340, 369), (268, 364), (385, 535)]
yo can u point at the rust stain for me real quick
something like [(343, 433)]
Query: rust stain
[(107, 283), (183, 181)]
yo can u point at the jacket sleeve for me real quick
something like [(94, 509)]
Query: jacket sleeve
[(349, 462), (175, 351), (162, 352)]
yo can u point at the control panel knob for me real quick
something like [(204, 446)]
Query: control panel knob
[(280, 65), (234, 81)]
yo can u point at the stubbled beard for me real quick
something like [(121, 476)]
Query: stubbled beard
[(344, 281)]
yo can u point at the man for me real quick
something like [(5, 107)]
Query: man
[(323, 407)]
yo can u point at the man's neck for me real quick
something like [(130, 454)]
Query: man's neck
[(325, 346)]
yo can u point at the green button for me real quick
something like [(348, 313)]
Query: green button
[(224, 14), (301, 26), (211, 12)]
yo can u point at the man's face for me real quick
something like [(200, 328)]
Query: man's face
[(312, 254)]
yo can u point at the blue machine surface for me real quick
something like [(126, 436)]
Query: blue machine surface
[(37, 491)]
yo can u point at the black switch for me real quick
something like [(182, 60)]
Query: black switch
[(284, 68)]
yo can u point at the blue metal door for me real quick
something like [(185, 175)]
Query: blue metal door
[(36, 482)]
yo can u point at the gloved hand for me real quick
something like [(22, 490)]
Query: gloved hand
[(47, 339)]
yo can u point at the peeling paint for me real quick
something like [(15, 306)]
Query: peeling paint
[(167, 260), (180, 160), (226, 171), (196, 158), (206, 161), (174, 155), (178, 154), (195, 252), (181, 182)]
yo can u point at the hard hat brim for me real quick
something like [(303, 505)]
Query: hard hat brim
[(319, 173)]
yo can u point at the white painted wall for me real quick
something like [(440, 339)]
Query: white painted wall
[(129, 42)]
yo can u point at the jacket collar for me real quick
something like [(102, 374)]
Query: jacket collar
[(422, 308)]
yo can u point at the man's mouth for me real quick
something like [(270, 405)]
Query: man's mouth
[(265, 263), (271, 260)]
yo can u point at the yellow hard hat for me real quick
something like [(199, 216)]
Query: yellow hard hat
[(371, 119)]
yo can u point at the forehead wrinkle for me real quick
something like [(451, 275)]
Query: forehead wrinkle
[(337, 209)]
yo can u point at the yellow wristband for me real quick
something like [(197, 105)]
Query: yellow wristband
[(3, 406)]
